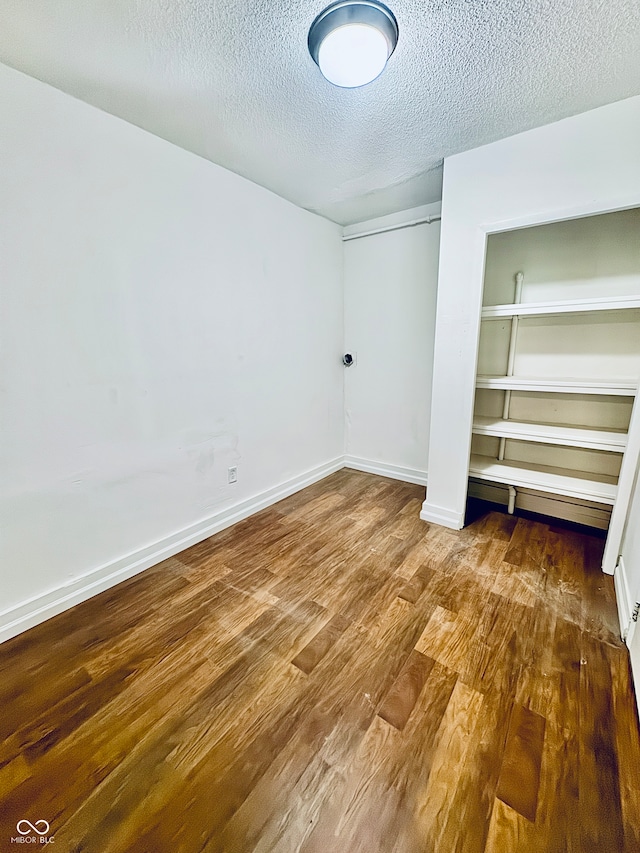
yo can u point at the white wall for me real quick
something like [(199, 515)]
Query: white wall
[(630, 549), (634, 653), (627, 578), (162, 319), (583, 165), (390, 295)]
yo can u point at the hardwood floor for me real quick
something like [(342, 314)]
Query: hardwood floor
[(333, 676)]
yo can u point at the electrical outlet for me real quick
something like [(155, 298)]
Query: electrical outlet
[(233, 474)]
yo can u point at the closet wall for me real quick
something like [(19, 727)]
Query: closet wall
[(558, 372), (581, 166)]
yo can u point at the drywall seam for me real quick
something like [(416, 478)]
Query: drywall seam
[(382, 469), (43, 607)]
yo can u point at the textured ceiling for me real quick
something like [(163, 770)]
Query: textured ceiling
[(232, 81)]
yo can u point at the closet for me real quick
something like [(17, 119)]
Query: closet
[(558, 366)]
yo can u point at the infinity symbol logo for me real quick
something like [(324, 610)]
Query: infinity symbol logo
[(32, 827)]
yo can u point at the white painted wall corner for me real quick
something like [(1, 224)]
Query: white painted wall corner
[(382, 469)]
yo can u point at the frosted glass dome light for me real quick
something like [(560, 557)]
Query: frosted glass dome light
[(353, 55), (352, 40)]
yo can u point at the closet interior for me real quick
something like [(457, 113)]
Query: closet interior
[(558, 366)]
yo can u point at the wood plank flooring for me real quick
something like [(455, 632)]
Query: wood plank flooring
[(333, 676)]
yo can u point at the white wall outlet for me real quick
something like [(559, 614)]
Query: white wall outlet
[(232, 474)]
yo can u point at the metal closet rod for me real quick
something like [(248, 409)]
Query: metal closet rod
[(424, 220)]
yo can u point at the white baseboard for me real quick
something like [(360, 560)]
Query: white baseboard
[(443, 517), (382, 469), (624, 602), (42, 607)]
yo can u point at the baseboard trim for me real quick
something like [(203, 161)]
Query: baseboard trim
[(624, 602), (443, 517), (42, 607), (382, 469)]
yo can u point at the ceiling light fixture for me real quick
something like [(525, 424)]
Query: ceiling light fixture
[(352, 40)]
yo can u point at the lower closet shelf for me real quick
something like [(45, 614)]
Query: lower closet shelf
[(543, 478)]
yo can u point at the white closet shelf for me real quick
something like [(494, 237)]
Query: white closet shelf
[(568, 306), (568, 386), (544, 478), (614, 441)]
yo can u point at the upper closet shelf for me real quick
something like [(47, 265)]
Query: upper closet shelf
[(592, 439), (569, 306), (563, 385), (544, 478)]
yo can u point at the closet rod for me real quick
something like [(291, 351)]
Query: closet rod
[(425, 219)]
